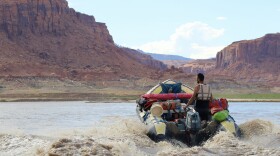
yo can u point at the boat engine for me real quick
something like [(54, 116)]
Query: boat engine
[(193, 122)]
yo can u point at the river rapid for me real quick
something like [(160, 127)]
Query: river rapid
[(81, 128)]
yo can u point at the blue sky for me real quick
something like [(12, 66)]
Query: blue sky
[(194, 29)]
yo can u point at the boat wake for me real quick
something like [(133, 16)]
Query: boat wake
[(128, 137)]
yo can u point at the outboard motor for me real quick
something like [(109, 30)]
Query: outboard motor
[(193, 122), (193, 125)]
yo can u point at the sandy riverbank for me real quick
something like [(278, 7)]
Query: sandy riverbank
[(120, 97), (114, 100), (253, 100)]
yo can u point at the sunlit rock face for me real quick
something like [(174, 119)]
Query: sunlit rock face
[(47, 38), (252, 60)]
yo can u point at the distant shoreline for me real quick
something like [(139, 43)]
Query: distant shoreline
[(120, 98), (253, 100), (115, 101)]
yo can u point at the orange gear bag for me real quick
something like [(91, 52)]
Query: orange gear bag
[(218, 105)]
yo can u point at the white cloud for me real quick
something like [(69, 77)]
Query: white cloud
[(190, 40), (162, 47), (221, 18), (205, 51), (189, 30), (74, 4), (71, 4)]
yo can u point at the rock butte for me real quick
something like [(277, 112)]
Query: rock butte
[(45, 38)]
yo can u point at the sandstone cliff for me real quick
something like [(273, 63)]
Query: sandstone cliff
[(250, 51), (20, 17), (47, 38), (252, 60)]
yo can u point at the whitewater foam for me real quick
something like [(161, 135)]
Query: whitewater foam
[(128, 137), (22, 145)]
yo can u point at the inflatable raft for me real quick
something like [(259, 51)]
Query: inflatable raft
[(161, 109)]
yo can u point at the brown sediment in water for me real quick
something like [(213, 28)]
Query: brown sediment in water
[(128, 137), (128, 140), (79, 147), (260, 138), (255, 128)]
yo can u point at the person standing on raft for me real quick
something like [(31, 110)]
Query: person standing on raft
[(203, 95)]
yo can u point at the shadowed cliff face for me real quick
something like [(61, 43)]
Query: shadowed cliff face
[(47, 38)]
